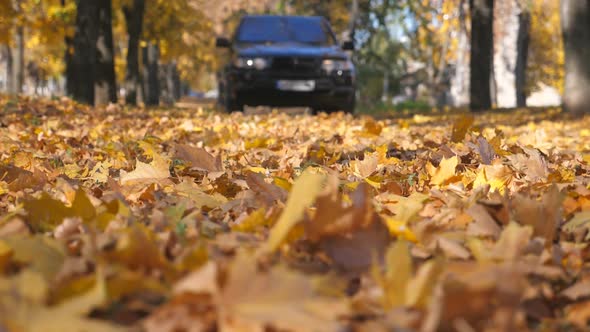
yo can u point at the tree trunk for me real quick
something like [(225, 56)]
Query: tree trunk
[(151, 54), (9, 82), (173, 81), (69, 42), (522, 47), (459, 90), (482, 44), (170, 83), (19, 68), (354, 13), (165, 84), (70, 68), (506, 29), (134, 19), (385, 95), (575, 18), (83, 54), (105, 87)]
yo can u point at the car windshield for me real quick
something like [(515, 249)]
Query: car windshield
[(274, 29)]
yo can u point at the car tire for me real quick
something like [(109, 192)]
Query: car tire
[(350, 107), (315, 110), (347, 109), (344, 108), (232, 106)]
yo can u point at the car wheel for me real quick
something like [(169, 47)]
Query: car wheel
[(318, 110), (232, 106), (349, 107)]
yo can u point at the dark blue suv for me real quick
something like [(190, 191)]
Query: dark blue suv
[(287, 61)]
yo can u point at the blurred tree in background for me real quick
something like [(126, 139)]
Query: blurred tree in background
[(575, 18), (546, 47)]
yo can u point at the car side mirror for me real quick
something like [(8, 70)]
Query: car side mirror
[(222, 42), (348, 45)]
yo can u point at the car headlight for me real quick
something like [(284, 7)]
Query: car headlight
[(338, 66), (252, 63)]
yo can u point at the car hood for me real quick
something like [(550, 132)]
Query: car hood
[(290, 49)]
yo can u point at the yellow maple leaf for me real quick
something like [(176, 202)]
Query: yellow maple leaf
[(305, 190), (3, 188), (445, 171), (398, 273), (400, 229), (496, 176)]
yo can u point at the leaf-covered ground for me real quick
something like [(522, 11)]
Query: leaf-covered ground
[(183, 220)]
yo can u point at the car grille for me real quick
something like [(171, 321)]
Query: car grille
[(296, 64)]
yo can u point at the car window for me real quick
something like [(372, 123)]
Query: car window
[(308, 30)]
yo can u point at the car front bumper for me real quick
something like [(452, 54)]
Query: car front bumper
[(255, 88)]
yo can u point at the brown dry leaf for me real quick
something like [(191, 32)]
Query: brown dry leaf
[(420, 289), (199, 158), (268, 191), (28, 180), (579, 290), (452, 249), (9, 173), (355, 251), (68, 316), (41, 254), (203, 280), (513, 241), (82, 206), (158, 169), (485, 150), (579, 314), (14, 227), (366, 167), (137, 249), (473, 293), (69, 227), (280, 298), (5, 255), (187, 188), (333, 218), (544, 216), (351, 236), (45, 213), (187, 312), (579, 223), (461, 126), (532, 164), (483, 224)]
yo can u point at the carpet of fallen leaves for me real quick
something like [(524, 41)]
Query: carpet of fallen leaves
[(121, 219)]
